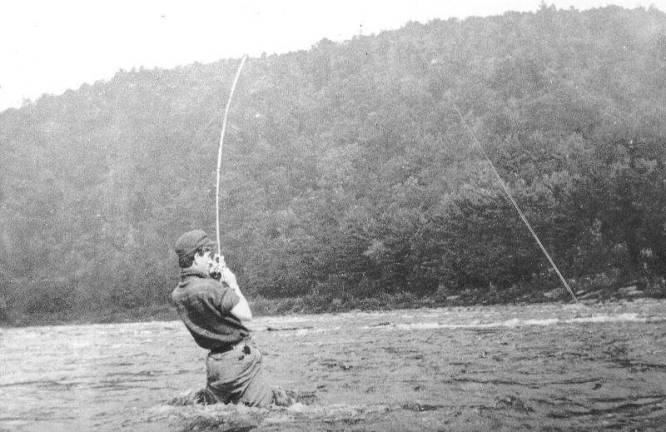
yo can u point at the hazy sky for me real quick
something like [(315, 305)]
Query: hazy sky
[(48, 46)]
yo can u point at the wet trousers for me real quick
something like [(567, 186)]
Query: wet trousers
[(236, 376)]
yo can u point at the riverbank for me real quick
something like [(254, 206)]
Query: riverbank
[(338, 304)]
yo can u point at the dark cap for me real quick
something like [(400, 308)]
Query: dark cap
[(189, 242)]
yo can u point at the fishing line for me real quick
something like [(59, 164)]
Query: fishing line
[(219, 156), (515, 205)]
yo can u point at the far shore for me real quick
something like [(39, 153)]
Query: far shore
[(311, 305)]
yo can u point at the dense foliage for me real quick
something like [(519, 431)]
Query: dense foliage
[(347, 171)]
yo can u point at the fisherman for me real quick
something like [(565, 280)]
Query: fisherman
[(214, 312)]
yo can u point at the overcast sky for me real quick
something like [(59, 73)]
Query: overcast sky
[(48, 46)]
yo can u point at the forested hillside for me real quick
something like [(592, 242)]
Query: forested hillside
[(347, 172)]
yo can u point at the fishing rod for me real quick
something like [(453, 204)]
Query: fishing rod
[(219, 158), (513, 201)]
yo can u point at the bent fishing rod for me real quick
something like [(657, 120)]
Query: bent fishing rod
[(513, 202), (219, 159)]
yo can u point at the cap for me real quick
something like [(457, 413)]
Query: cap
[(191, 241)]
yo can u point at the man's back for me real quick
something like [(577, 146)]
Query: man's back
[(204, 305)]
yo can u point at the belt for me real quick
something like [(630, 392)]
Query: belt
[(230, 347), (222, 349)]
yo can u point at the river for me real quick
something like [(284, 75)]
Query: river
[(528, 367)]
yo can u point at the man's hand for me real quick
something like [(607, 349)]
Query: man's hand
[(229, 277), (216, 266), (221, 272)]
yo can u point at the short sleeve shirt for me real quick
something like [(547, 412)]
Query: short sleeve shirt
[(204, 305)]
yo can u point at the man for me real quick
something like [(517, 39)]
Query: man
[(214, 311)]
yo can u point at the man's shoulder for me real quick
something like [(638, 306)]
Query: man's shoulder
[(195, 285)]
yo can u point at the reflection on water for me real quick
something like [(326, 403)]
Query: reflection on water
[(557, 367)]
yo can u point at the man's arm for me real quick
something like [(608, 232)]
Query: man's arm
[(242, 309)]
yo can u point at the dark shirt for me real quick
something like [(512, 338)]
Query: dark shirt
[(204, 305)]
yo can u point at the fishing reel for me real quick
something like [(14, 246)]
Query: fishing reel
[(218, 267), (219, 271)]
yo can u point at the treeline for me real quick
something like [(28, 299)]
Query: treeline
[(347, 171)]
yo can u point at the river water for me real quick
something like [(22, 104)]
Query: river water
[(534, 367)]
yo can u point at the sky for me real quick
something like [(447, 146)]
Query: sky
[(50, 46)]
